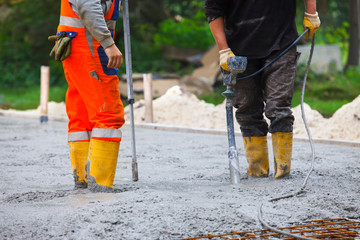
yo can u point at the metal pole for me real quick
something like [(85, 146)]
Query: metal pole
[(130, 99), (232, 154)]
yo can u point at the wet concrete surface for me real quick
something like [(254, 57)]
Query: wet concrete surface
[(183, 190)]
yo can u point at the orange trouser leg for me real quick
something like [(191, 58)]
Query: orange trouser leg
[(76, 111), (94, 107), (96, 86)]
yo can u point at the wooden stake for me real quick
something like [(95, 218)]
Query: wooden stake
[(148, 97), (44, 93)]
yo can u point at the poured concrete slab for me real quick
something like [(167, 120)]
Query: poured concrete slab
[(183, 188)]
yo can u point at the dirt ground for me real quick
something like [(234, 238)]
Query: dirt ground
[(183, 188)]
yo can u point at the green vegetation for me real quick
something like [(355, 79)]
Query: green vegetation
[(186, 33), (328, 92), (325, 92), (28, 98), (214, 98), (23, 44)]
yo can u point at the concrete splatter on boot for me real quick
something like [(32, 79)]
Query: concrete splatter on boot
[(282, 148), (101, 165), (78, 158), (256, 150)]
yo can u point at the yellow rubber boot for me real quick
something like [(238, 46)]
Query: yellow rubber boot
[(78, 158), (282, 148), (101, 166), (256, 150)]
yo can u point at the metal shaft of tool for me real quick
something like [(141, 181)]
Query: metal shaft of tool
[(130, 94), (233, 154)]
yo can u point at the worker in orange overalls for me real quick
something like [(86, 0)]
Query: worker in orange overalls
[(93, 102)]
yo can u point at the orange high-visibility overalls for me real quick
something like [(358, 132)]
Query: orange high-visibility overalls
[(93, 103)]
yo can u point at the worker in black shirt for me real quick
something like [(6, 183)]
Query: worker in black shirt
[(260, 30)]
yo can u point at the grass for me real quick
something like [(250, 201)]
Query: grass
[(326, 107), (325, 93), (28, 98), (215, 97)]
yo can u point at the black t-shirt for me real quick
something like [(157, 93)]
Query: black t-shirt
[(255, 28)]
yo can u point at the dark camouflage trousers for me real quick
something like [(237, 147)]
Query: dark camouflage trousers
[(270, 91)]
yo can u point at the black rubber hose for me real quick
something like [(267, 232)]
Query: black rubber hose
[(275, 59)]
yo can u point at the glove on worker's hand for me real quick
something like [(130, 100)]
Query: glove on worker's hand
[(224, 55), (311, 21), (62, 47)]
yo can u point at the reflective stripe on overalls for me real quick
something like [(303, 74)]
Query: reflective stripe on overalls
[(93, 97)]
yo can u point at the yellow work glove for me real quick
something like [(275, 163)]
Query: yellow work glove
[(224, 56), (311, 21)]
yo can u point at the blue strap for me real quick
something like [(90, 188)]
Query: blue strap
[(116, 12), (68, 34)]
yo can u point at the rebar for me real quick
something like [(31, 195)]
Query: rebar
[(336, 228)]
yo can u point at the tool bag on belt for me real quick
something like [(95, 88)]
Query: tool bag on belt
[(62, 47)]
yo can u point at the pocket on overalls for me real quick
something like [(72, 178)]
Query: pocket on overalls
[(104, 60)]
